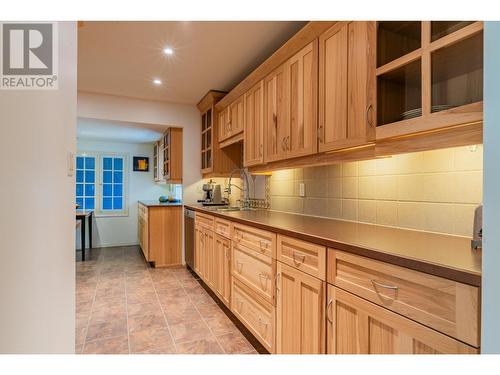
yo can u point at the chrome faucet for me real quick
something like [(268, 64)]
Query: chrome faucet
[(246, 190)]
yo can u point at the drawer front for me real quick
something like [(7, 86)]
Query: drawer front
[(256, 314), (259, 240), (447, 306), (305, 256), (254, 270), (222, 227), (205, 221)]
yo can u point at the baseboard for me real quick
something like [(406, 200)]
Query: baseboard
[(112, 245)]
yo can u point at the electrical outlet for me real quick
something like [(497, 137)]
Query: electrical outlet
[(302, 189)]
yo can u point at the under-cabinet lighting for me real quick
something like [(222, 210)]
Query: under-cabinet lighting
[(157, 81), (168, 51)]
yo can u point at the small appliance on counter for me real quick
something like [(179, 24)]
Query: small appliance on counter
[(212, 195), (477, 234)]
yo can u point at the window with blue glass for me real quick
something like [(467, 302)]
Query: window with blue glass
[(85, 182), (112, 183)]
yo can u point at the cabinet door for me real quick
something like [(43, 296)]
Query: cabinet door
[(198, 252), (300, 319), (222, 267), (302, 84), (333, 59), (236, 116), (208, 246), (356, 326), (254, 126), (275, 116), (361, 83), (223, 124)]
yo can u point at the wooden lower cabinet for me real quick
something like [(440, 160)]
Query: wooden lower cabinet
[(160, 234), (222, 268), (212, 261), (356, 326), (255, 313), (300, 318)]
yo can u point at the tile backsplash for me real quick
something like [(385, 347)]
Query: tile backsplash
[(434, 191)]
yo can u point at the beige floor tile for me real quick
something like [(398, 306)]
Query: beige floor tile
[(234, 343), (114, 345), (151, 339), (181, 314), (146, 322), (109, 328), (190, 331), (203, 346)]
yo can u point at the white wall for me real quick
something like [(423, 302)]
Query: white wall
[(37, 222), (122, 230), (490, 336), (115, 108)]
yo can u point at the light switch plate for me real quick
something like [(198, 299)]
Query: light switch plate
[(302, 189)]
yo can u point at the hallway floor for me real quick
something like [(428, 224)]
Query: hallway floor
[(124, 306)]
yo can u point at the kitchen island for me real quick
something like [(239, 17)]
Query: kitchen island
[(160, 232)]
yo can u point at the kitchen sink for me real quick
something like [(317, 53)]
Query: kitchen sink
[(226, 209)]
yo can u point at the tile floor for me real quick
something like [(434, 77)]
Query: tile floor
[(123, 306)]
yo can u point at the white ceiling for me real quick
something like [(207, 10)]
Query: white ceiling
[(99, 130), (122, 58)]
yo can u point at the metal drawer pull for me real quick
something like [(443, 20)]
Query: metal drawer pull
[(328, 311), (263, 285), (295, 255), (264, 323), (239, 266), (385, 286), (263, 245)]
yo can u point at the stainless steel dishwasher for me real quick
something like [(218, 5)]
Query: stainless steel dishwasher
[(189, 239)]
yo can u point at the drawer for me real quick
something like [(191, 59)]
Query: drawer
[(447, 306), (222, 227), (259, 240), (305, 256), (255, 270), (205, 221), (256, 314)]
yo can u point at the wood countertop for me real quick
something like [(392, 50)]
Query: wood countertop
[(437, 254), (153, 203)]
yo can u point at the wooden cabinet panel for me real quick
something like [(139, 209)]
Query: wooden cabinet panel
[(261, 241), (275, 115), (253, 146), (172, 155), (143, 230), (198, 250), (203, 220), (346, 86), (223, 124), (447, 306), (304, 256), (236, 116), (302, 86), (256, 271), (300, 319), (256, 314), (356, 326), (222, 268), (208, 246), (165, 235), (222, 227)]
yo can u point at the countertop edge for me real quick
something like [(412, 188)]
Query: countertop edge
[(446, 272), (159, 204)]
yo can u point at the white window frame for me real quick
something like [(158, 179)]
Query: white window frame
[(99, 159)]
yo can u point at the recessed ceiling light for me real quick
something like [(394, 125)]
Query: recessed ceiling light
[(168, 51), (157, 81)]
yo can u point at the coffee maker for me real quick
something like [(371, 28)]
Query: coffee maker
[(212, 195)]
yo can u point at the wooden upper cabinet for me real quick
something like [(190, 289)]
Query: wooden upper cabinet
[(302, 88), (231, 120), (290, 102), (346, 86), (429, 77), (172, 155), (356, 326), (300, 318), (253, 143), (275, 115)]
